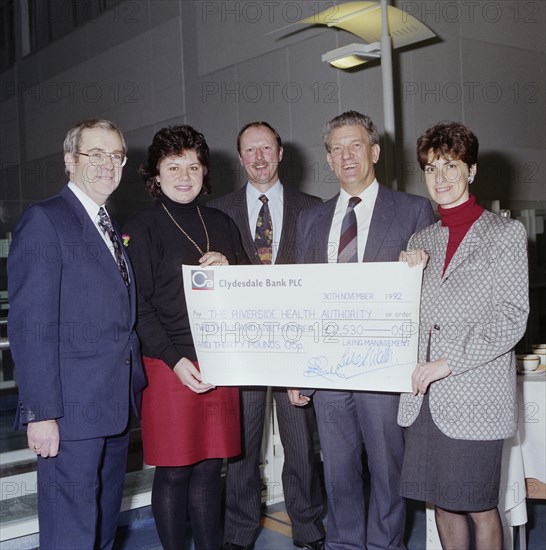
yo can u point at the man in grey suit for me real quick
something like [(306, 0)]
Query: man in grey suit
[(371, 223), (266, 212)]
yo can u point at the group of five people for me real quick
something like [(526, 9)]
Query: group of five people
[(79, 368)]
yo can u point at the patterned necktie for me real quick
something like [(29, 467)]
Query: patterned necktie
[(348, 240), (108, 229), (264, 233)]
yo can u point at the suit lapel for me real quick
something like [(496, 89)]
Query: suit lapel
[(289, 227), (239, 214), (382, 217), (322, 225), (436, 247), (132, 287), (105, 258), (95, 249), (470, 244)]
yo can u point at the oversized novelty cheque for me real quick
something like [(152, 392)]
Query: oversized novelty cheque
[(347, 326)]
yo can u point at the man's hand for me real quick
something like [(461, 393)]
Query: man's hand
[(190, 376), (43, 438), (296, 398)]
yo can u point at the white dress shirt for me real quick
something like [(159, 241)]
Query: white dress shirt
[(275, 203), (363, 211), (92, 210)]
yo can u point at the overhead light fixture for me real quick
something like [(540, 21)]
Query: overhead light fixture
[(364, 20), (352, 55), (383, 28)]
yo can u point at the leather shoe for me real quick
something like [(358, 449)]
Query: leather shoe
[(315, 545), (233, 546)]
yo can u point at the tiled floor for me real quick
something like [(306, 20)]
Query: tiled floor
[(141, 534), (138, 530), (275, 534)]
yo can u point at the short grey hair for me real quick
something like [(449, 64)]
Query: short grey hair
[(74, 135), (350, 118)]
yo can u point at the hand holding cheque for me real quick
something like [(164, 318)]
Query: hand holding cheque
[(342, 326)]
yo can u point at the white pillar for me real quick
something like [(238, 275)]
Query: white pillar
[(388, 98)]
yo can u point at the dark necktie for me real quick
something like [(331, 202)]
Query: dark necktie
[(108, 229), (348, 240), (264, 233)]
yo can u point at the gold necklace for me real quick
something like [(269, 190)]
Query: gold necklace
[(188, 237)]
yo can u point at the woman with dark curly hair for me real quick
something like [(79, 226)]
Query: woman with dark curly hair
[(188, 426), (474, 307)]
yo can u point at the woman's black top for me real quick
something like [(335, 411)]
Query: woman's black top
[(158, 249)]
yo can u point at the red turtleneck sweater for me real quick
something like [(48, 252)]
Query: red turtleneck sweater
[(458, 220)]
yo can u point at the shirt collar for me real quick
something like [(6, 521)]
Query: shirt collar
[(368, 195), (274, 193), (88, 203)]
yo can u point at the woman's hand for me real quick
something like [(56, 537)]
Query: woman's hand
[(296, 398), (212, 259), (414, 257), (426, 373), (190, 376)]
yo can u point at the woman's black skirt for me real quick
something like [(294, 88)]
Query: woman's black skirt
[(458, 475)]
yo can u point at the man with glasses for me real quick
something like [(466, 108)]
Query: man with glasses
[(71, 331)]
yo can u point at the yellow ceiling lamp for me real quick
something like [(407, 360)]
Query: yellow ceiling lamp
[(383, 28), (364, 19)]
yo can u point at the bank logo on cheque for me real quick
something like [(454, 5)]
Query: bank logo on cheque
[(202, 280)]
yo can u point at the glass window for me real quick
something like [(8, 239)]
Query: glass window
[(7, 40), (49, 20)]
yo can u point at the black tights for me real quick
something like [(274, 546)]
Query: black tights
[(188, 490)]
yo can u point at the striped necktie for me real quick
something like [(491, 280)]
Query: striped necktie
[(264, 233), (348, 240), (108, 229)]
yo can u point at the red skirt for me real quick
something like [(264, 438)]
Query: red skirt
[(180, 427)]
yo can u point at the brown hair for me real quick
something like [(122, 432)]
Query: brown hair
[(451, 140), (175, 140)]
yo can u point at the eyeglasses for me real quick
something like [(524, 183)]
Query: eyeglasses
[(99, 157)]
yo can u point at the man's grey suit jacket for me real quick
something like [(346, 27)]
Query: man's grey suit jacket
[(396, 216)]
